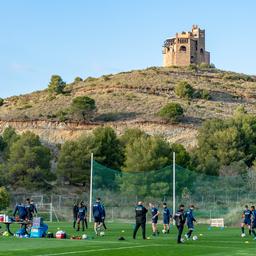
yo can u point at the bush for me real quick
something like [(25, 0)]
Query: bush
[(171, 112), (202, 94), (83, 107), (56, 84), (193, 67), (184, 90), (236, 77), (4, 198), (78, 79), (1, 102), (90, 79)]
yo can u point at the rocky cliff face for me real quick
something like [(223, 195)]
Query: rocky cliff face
[(59, 132)]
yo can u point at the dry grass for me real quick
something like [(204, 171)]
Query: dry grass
[(140, 94)]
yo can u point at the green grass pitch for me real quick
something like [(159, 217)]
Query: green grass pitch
[(212, 242)]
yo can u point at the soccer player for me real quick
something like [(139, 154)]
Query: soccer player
[(155, 213), (246, 219), (34, 206), (75, 212), (97, 215), (190, 221), (253, 223), (103, 216), (140, 217), (85, 217), (180, 220), (81, 216), (166, 218), (21, 210), (29, 209)]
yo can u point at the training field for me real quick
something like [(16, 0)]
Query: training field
[(212, 242)]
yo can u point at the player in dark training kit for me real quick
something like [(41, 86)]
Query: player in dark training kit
[(30, 209), (190, 221), (246, 219), (166, 218), (140, 217), (81, 216), (97, 215), (75, 212), (103, 216), (21, 210), (155, 213), (180, 220), (253, 221)]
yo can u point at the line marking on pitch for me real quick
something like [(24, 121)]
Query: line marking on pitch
[(98, 250)]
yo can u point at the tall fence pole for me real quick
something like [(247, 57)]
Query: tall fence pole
[(173, 185), (90, 213)]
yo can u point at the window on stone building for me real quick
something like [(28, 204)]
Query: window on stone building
[(183, 48)]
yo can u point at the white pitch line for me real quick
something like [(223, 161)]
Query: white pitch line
[(97, 250)]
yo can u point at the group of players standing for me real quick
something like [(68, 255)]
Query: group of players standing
[(80, 215), (25, 211), (181, 217), (249, 220)]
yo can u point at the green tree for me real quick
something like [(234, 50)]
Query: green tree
[(9, 137), (222, 142), (74, 160), (2, 143), (182, 157), (107, 148), (29, 163), (1, 102), (184, 90), (56, 84), (147, 153), (4, 198), (83, 107), (130, 135), (171, 112)]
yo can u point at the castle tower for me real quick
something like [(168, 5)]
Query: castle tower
[(186, 48)]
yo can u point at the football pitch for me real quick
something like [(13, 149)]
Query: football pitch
[(210, 242)]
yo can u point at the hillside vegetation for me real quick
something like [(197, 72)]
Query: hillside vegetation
[(139, 95)]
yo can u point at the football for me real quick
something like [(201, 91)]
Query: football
[(195, 238), (102, 233), (84, 236), (243, 235), (164, 231)]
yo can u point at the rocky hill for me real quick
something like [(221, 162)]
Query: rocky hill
[(132, 99)]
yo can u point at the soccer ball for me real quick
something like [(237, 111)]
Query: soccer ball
[(102, 233), (243, 235), (6, 233), (195, 238), (164, 231), (84, 236)]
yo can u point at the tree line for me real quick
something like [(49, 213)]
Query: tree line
[(225, 147)]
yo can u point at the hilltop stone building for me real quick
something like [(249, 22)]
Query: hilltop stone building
[(186, 48)]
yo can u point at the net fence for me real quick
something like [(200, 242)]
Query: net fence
[(213, 196)]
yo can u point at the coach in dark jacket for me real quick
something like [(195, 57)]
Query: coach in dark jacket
[(180, 219), (140, 217)]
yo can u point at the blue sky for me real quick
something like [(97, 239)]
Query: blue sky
[(72, 38)]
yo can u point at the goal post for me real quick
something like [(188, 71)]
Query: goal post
[(91, 180), (47, 211)]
